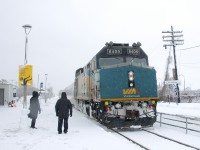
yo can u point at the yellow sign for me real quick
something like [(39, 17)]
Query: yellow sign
[(25, 75)]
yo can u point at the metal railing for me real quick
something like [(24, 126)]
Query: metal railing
[(184, 122)]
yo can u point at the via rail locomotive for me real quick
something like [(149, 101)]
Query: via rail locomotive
[(117, 87)]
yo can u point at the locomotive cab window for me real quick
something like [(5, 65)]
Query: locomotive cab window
[(120, 61), (142, 62), (105, 62)]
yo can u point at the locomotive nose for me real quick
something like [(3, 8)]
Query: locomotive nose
[(127, 83)]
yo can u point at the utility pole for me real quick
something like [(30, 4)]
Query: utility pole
[(173, 39)]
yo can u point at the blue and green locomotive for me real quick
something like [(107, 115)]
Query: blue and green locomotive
[(117, 87)]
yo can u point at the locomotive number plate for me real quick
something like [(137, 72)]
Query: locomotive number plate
[(114, 51), (133, 51)]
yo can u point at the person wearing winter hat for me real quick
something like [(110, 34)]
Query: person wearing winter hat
[(34, 108), (63, 110)]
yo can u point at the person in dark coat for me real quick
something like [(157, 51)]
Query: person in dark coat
[(34, 108), (63, 109)]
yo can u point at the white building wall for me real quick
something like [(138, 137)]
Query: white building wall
[(8, 92)]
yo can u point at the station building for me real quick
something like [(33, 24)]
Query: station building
[(6, 93)]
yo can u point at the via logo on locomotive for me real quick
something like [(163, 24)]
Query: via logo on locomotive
[(130, 91)]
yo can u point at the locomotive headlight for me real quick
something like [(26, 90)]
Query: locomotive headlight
[(131, 84), (131, 79), (131, 75)]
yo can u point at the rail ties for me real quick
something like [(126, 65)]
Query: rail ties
[(156, 135), (171, 139), (131, 140)]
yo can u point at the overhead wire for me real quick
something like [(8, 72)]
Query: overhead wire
[(183, 64), (188, 48)]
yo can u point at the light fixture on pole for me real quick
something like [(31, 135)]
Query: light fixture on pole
[(27, 29)]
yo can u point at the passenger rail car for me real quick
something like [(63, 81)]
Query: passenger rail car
[(117, 87)]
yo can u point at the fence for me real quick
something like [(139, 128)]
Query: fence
[(184, 122)]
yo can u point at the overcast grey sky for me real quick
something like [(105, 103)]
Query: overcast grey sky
[(66, 34)]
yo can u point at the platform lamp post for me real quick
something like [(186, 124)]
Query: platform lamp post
[(46, 87), (27, 29)]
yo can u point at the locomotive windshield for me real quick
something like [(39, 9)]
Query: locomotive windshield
[(121, 61), (121, 55)]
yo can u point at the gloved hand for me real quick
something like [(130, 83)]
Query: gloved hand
[(57, 114), (70, 115), (40, 112)]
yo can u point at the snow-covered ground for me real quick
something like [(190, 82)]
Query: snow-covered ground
[(84, 133), (185, 109)]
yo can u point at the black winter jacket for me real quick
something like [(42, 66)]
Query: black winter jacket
[(62, 107)]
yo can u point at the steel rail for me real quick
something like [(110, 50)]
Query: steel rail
[(171, 139), (131, 140)]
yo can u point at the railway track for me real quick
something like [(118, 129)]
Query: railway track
[(142, 134), (133, 141), (146, 146)]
